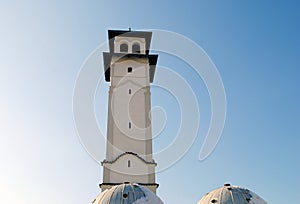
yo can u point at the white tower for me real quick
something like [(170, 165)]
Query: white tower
[(130, 69)]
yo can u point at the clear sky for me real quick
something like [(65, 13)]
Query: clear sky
[(254, 44)]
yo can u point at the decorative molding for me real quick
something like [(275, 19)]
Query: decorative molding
[(129, 81), (126, 153)]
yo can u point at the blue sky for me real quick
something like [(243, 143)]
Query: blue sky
[(254, 44)]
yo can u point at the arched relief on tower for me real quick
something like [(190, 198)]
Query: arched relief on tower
[(127, 82), (139, 171)]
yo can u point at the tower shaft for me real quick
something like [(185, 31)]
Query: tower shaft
[(130, 69)]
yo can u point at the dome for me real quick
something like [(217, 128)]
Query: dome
[(127, 193), (231, 195)]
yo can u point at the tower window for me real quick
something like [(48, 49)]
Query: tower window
[(124, 47), (129, 125), (129, 91), (128, 163), (136, 48), (129, 69)]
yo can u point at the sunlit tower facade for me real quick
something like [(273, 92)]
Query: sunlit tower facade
[(130, 70)]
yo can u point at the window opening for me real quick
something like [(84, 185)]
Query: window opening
[(124, 47), (136, 48), (128, 163)]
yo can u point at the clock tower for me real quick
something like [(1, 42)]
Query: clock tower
[(130, 69)]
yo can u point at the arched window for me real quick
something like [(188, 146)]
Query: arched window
[(123, 47), (136, 48), (128, 163)]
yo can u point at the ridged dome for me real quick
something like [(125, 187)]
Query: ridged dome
[(127, 193), (231, 195)]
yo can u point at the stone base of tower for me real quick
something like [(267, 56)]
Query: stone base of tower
[(151, 186)]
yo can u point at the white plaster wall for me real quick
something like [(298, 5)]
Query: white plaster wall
[(125, 107), (140, 71), (133, 108)]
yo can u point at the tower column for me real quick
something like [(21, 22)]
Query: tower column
[(130, 69)]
